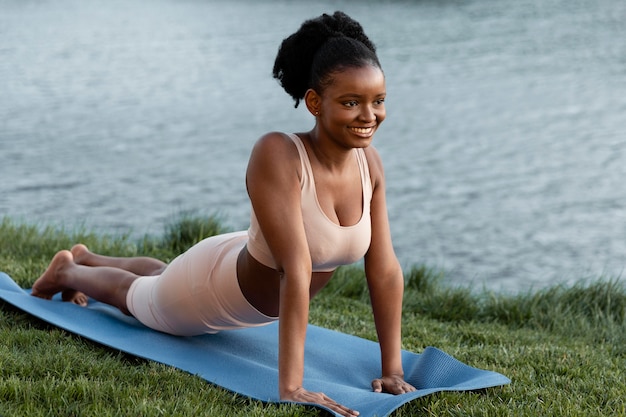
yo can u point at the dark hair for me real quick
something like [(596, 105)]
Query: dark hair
[(322, 46)]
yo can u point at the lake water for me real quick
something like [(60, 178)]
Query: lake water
[(504, 145)]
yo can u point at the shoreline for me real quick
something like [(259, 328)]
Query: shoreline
[(555, 344)]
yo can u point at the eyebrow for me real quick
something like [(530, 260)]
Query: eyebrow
[(356, 95)]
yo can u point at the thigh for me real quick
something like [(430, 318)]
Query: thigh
[(182, 300)]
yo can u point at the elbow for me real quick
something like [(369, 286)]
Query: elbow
[(294, 266)]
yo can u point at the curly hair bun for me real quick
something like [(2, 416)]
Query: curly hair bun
[(320, 47)]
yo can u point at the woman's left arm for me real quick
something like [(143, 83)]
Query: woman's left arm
[(386, 285)]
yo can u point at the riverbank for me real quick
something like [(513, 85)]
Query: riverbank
[(563, 346)]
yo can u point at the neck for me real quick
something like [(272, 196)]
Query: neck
[(328, 153)]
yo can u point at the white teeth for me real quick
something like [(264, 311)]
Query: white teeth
[(362, 129)]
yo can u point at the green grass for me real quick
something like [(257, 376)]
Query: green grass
[(564, 347)]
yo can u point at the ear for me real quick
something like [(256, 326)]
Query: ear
[(313, 101)]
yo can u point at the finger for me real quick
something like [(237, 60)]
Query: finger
[(347, 412), (406, 388), (403, 389), (341, 409), (377, 385), (326, 401)]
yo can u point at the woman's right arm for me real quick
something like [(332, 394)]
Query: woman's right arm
[(273, 182), (273, 185)]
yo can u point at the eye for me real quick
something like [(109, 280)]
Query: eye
[(351, 103), (380, 101)]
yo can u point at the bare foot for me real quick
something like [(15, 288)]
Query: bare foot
[(80, 252), (75, 297), (49, 283)]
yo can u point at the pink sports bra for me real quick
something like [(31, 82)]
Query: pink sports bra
[(330, 244)]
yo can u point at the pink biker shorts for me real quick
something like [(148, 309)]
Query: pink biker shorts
[(198, 292)]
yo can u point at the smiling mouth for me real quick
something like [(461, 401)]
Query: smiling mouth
[(363, 130)]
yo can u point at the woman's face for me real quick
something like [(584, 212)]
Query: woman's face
[(352, 106)]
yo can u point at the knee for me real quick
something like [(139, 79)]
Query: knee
[(159, 270)]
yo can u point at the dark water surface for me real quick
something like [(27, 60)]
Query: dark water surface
[(504, 145)]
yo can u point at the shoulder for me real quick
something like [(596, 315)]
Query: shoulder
[(273, 140), (274, 152), (274, 146), (274, 143)]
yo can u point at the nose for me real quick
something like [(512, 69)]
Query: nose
[(368, 113)]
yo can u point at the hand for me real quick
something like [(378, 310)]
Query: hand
[(393, 384), (303, 396)]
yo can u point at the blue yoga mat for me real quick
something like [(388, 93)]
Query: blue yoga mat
[(246, 361)]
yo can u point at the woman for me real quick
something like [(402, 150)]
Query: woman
[(318, 202)]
